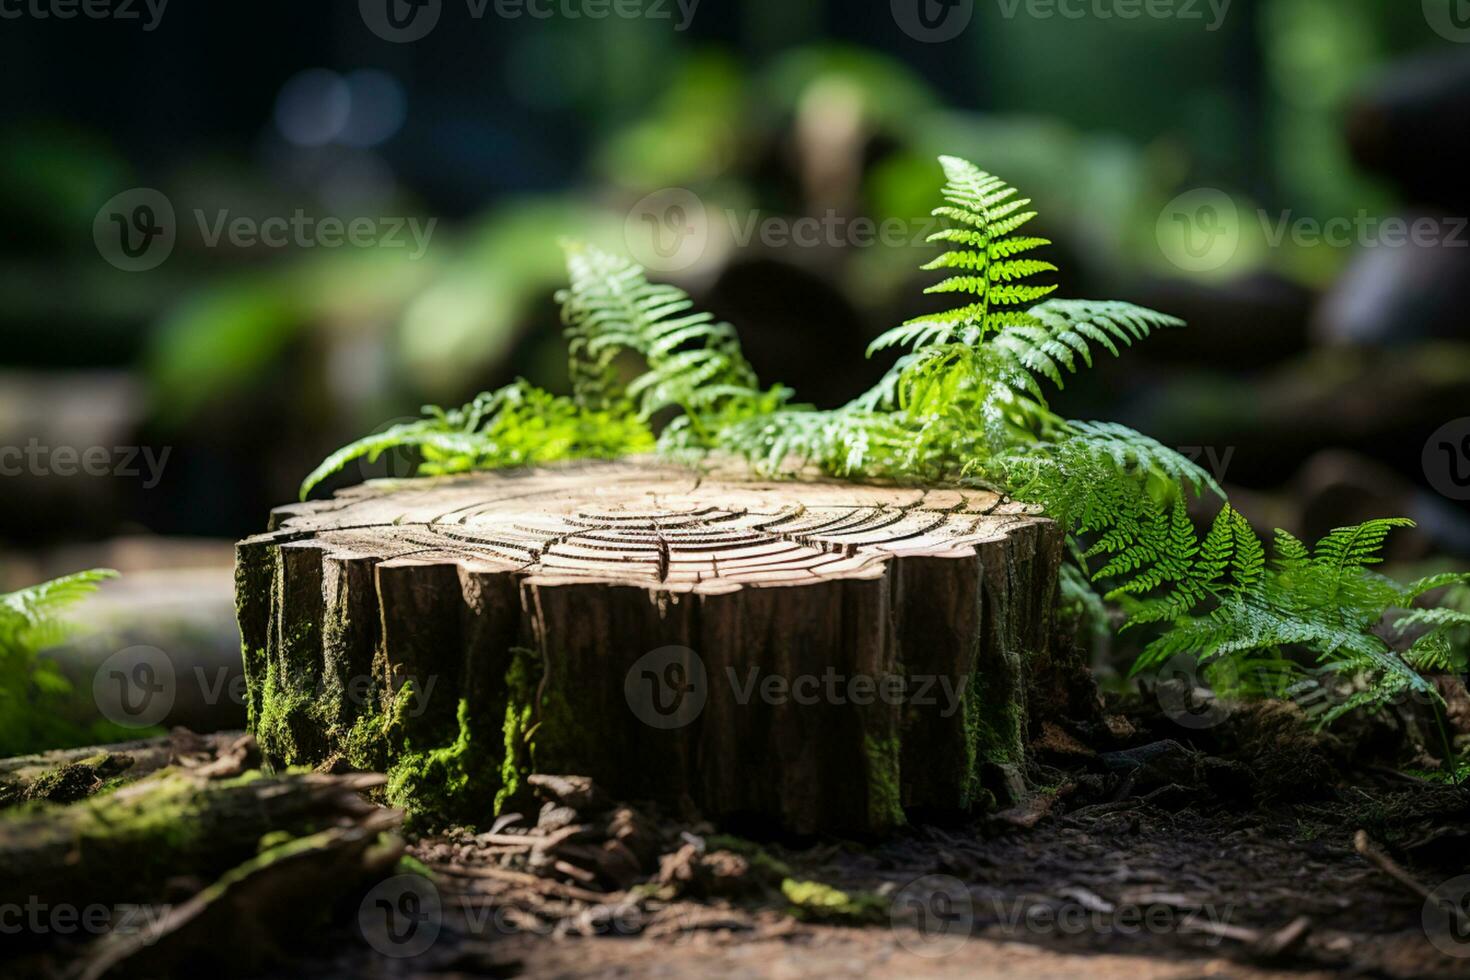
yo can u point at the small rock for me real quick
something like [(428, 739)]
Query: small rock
[(555, 817), (577, 792)]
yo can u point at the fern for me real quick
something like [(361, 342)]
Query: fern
[(36, 708), (1065, 330), (1327, 602), (518, 425), (986, 213), (966, 403), (1440, 636), (692, 363)]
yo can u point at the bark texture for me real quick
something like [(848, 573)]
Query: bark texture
[(813, 656)]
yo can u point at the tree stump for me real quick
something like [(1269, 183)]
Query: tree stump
[(804, 656)]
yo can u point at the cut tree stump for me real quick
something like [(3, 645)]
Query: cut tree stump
[(805, 656)]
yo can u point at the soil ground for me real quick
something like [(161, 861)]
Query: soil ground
[(1272, 857)]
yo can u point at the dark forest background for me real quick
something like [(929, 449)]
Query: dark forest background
[(1314, 377)]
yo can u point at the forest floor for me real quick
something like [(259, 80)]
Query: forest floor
[(1253, 849)]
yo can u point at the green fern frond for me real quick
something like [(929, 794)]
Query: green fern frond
[(40, 602), (39, 709), (843, 442), (1059, 333), (1430, 583), (416, 434), (1133, 451), (1433, 652), (1437, 618), (1357, 546), (988, 214), (691, 360), (1324, 601), (29, 617), (518, 425), (1290, 552)]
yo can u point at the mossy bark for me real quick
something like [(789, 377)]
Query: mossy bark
[(123, 846), (853, 651)]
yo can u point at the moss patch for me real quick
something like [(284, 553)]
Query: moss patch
[(286, 723), (77, 780), (885, 791), (994, 734), (522, 678), (484, 769), (457, 781), (814, 901)]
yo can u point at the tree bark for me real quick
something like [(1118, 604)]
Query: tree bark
[(807, 656)]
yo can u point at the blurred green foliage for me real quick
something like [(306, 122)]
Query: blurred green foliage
[(1105, 119), (39, 706)]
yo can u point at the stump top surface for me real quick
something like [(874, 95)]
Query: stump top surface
[(645, 523)]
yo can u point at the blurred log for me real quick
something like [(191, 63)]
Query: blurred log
[(266, 907), (68, 775), (125, 845)]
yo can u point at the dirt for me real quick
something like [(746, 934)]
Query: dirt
[(1150, 858)]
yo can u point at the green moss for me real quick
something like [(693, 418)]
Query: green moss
[(458, 781), (474, 777), (994, 734), (172, 811), (555, 736), (78, 780), (522, 678), (286, 724), (885, 792), (814, 901), (365, 746), (410, 865), (66, 784), (465, 775)]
